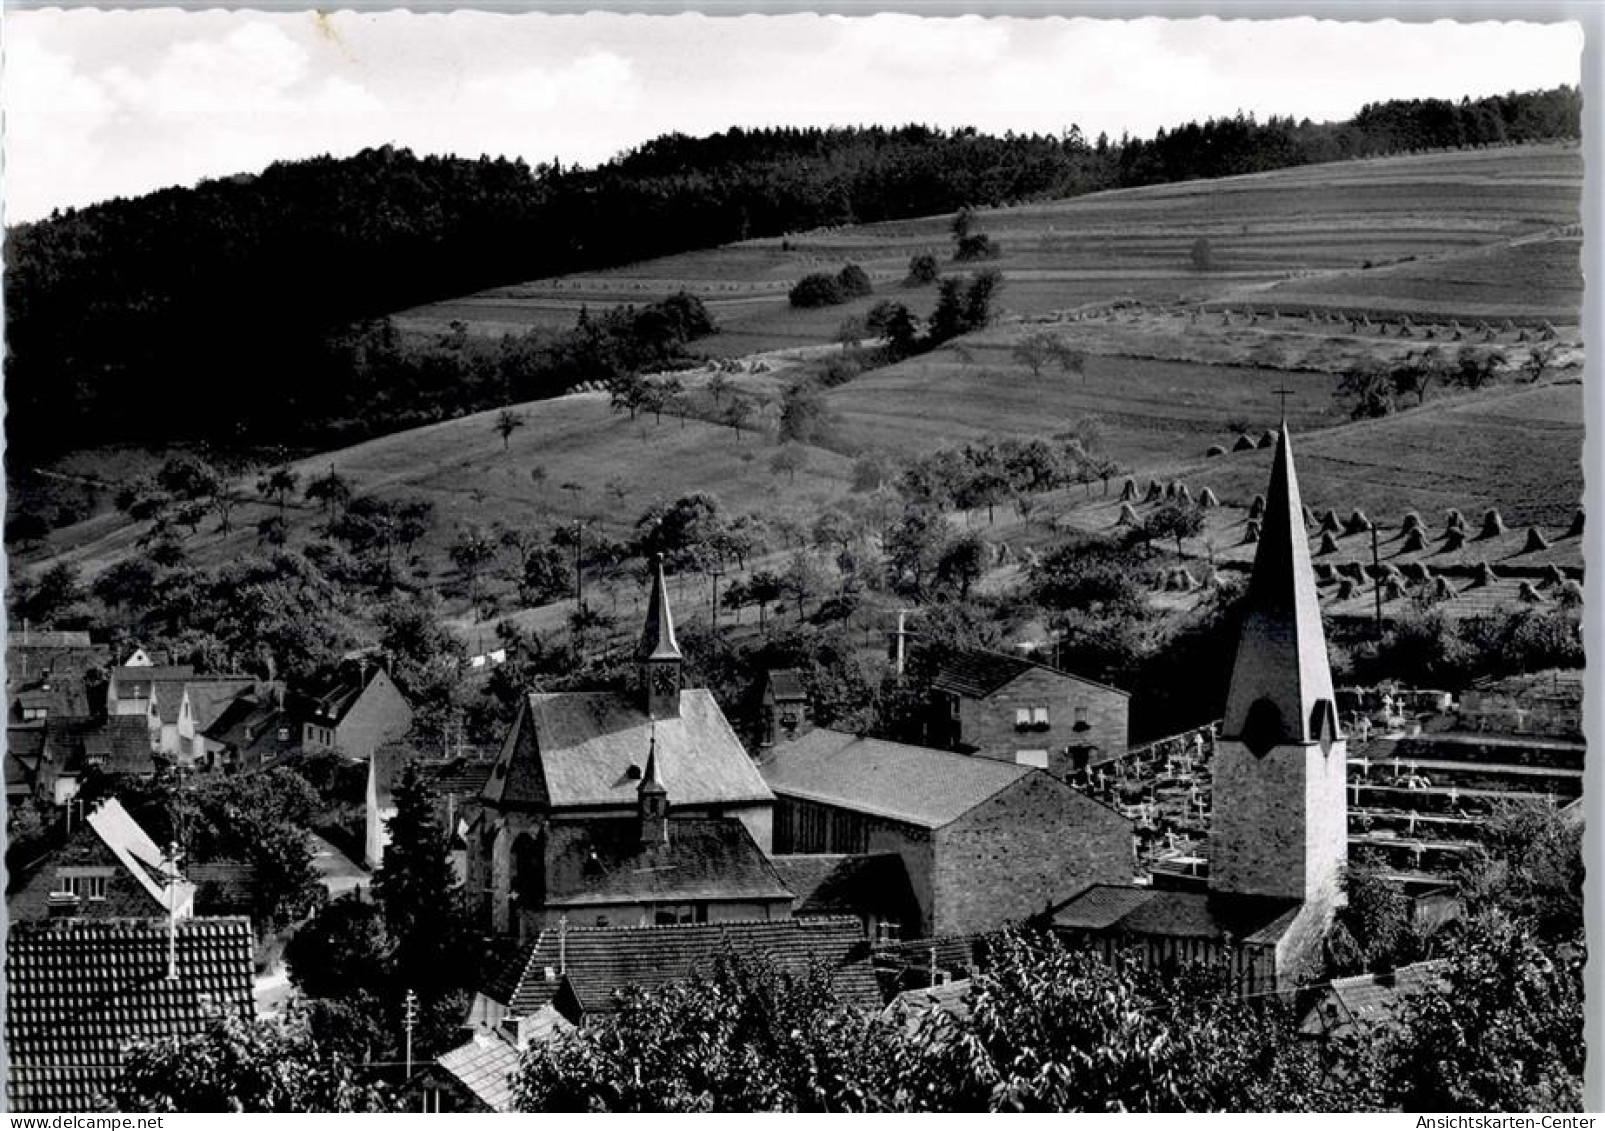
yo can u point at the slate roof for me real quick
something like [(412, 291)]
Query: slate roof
[(917, 785), (120, 744), (78, 990), (577, 749), (139, 854), (1369, 999), (596, 962), (1127, 910), (250, 724), (63, 698), (463, 776), (484, 1066), (135, 682), (868, 884), (1281, 649), (977, 672), (602, 861)]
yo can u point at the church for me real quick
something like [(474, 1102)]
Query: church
[(624, 809), (1278, 842)]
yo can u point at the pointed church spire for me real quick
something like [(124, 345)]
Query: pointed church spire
[(652, 798), (657, 636), (658, 657), (1281, 689)]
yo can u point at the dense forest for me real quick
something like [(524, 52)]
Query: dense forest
[(127, 319)]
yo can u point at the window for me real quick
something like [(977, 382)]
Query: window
[(954, 707), (1022, 718), (29, 714), (85, 883), (1039, 716), (1037, 758), (1081, 718)]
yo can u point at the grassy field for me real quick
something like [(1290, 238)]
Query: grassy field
[(1264, 229)]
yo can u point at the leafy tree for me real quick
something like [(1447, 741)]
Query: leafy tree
[(803, 581), (330, 491), (1369, 392), (914, 547), (628, 393), (1176, 520), (471, 552), (341, 950), (790, 459), (897, 325), (1539, 360), (854, 281), (1202, 254), (508, 422), (1474, 368), (420, 896), (278, 485), (55, 593), (1034, 350), (1529, 864), (804, 416), (718, 386), (817, 289), (962, 563), (737, 413), (764, 588), (923, 270)]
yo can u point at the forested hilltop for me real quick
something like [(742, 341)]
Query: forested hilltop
[(238, 311)]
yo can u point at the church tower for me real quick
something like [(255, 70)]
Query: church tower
[(657, 657), (1280, 825), (652, 799)]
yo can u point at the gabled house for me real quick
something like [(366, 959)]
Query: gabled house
[(79, 991), (872, 887), (1278, 836), (355, 712), (252, 731), (1371, 1001), (785, 711), (33, 656), (984, 842), (49, 762), (108, 868), (207, 700), (652, 777), (1017, 710)]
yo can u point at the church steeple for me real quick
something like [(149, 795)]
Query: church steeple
[(652, 798), (1281, 689), (658, 658), (1280, 799)]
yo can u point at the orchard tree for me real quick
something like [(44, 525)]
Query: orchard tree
[(508, 422), (278, 485), (737, 413), (1176, 520), (330, 491)]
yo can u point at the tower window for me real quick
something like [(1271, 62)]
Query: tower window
[(1263, 727)]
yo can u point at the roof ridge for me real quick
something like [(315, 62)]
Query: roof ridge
[(782, 924)]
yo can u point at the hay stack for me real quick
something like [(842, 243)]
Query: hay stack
[(1185, 581), (1442, 590), (1554, 575), (1183, 495), (1267, 439), (1128, 491), (1392, 589), (1351, 569), (1415, 571), (1328, 543), (1155, 492), (1454, 540), (1535, 541), (1358, 523), (1245, 443), (1575, 530), (1456, 521), (1323, 571), (1128, 515), (1206, 498), (1211, 579), (1170, 490), (1251, 532), (1484, 574), (1528, 593), (1331, 523), (1310, 521), (1493, 525), (1413, 542), (1411, 521), (1215, 450), (1345, 589), (1256, 509), (1570, 595)]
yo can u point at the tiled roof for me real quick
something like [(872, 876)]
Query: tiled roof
[(598, 961), (875, 884), (952, 998), (222, 883), (978, 672), (1251, 920), (1373, 998), (914, 784), (63, 698), (163, 673), (138, 853), (120, 745), (251, 724), (53, 639), (602, 861), (79, 990), (578, 748), (960, 953), (462, 776), (485, 1066), (209, 698)]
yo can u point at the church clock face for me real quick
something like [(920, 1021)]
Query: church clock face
[(665, 681)]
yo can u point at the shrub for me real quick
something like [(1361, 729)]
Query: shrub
[(854, 281), (923, 270), (815, 290)]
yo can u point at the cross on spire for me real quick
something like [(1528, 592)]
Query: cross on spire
[(1283, 393)]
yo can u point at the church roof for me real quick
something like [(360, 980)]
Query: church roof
[(1281, 651), (602, 861), (978, 672), (578, 749), (657, 635)]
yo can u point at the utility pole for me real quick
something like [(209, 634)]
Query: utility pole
[(409, 1006), (579, 576), (716, 573), (171, 876)]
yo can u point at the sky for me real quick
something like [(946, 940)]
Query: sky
[(116, 103)]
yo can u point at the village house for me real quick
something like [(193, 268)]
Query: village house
[(108, 868), (984, 842), (355, 712), (49, 762), (80, 991), (784, 710), (638, 807), (252, 731), (1278, 837), (1017, 710)]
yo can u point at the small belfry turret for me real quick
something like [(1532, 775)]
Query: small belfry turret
[(659, 661), (652, 799), (1280, 802)]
